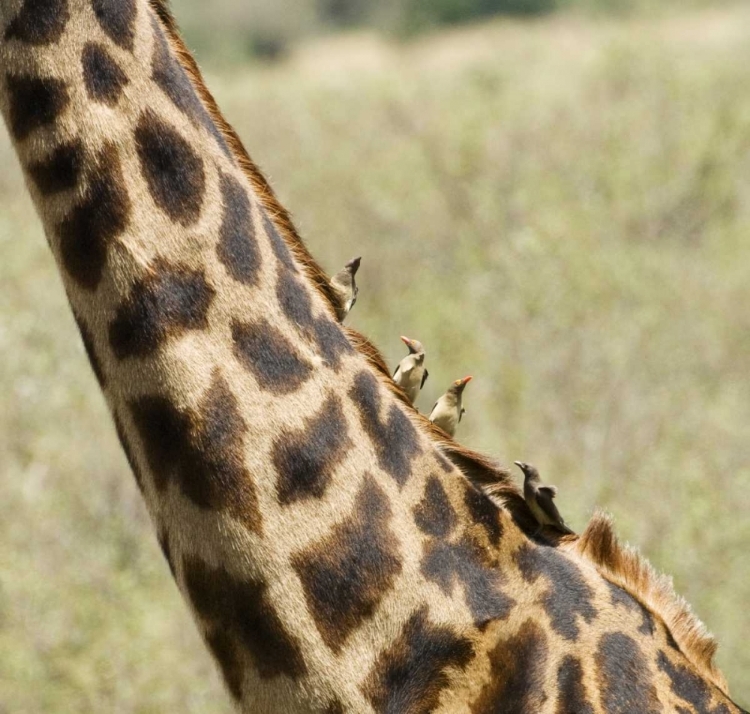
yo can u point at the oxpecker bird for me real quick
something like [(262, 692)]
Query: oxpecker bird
[(539, 499), (449, 409), (411, 374), (345, 287)]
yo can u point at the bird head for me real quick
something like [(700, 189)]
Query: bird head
[(415, 347), (460, 384), (353, 265), (529, 471)]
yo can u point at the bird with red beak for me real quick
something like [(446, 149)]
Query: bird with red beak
[(411, 374), (449, 409)]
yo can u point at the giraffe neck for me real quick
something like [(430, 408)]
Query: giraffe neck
[(332, 558)]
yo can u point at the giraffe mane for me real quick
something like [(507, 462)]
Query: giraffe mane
[(620, 564), (623, 565), (281, 217)]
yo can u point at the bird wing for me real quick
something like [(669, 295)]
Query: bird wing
[(398, 368), (551, 490), (424, 378), (432, 411), (461, 414), (545, 502)]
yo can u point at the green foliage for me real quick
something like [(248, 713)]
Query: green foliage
[(559, 209), (345, 13), (418, 14), (235, 30)]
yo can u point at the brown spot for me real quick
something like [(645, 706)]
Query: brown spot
[(117, 19), (484, 512), (238, 248), (39, 22), (447, 564), (278, 245), (172, 169), (169, 302), (347, 574), (202, 452), (96, 221), (331, 341), (129, 453), (689, 686), (102, 76), (321, 331), (446, 465), (517, 675), (625, 681), (568, 595), (243, 613), (171, 78), (228, 655), (409, 677), (621, 597), (434, 514), (34, 102), (88, 344), (305, 459), (395, 438), (60, 171), (163, 538), (571, 697), (270, 357)]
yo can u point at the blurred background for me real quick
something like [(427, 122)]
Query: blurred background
[(552, 195)]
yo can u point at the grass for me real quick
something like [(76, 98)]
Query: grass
[(560, 208)]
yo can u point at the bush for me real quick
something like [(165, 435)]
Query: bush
[(415, 15), (345, 13), (450, 11)]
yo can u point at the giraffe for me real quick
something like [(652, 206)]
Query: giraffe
[(338, 552)]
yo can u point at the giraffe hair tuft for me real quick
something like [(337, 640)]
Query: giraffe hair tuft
[(624, 566)]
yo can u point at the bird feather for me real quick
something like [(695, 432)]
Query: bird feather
[(551, 490)]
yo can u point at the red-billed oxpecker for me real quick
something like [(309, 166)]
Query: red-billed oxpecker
[(539, 499), (449, 409), (411, 374), (345, 287)]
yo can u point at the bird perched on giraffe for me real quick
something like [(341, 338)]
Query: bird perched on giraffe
[(449, 409), (411, 373), (344, 284), (540, 500)]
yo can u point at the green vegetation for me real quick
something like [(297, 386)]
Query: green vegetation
[(232, 30), (560, 208)]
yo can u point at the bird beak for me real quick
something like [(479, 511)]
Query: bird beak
[(408, 343), (521, 465), (461, 383), (353, 265)]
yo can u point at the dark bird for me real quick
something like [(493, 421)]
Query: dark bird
[(411, 374), (345, 287), (539, 498), (449, 409)]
